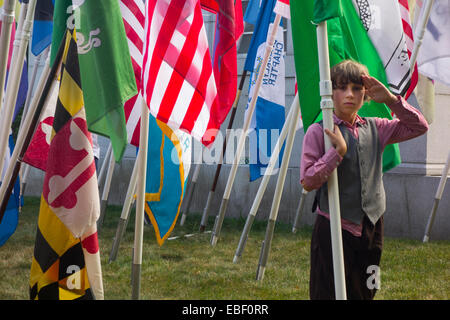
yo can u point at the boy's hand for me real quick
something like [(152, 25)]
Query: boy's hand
[(377, 91), (337, 140)]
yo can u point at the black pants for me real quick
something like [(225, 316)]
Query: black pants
[(361, 258)]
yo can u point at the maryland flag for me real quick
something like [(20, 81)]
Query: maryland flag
[(66, 261)]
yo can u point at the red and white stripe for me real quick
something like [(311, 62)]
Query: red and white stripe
[(178, 80), (409, 36), (282, 8), (133, 14)]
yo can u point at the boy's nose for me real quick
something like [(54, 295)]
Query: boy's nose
[(349, 91)]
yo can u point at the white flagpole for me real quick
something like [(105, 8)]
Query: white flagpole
[(264, 256), (265, 180), (25, 169), (17, 61), (226, 196), (46, 73), (327, 106), (105, 193), (437, 198), (121, 226), (140, 204), (105, 163), (418, 35), (7, 17)]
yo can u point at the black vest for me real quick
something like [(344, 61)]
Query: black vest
[(360, 176)]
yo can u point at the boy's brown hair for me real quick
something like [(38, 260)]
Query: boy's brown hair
[(348, 71)]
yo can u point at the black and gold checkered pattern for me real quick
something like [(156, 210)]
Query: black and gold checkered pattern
[(58, 268)]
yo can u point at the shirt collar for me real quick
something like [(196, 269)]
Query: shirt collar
[(358, 121)]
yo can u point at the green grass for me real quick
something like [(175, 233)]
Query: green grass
[(190, 268)]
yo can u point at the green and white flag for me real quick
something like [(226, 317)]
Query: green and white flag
[(347, 39), (107, 74)]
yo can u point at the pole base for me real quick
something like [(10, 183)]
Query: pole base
[(183, 219), (214, 240), (260, 273), (135, 281)]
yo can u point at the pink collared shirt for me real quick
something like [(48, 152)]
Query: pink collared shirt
[(316, 164)]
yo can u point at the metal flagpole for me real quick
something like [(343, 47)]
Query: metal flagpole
[(418, 36), (265, 249), (17, 61), (205, 215), (105, 193), (265, 180), (190, 193), (7, 17), (437, 198), (123, 221), (326, 105), (140, 204), (38, 103), (298, 214), (226, 196)]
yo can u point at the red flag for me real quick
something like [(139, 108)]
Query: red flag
[(178, 80), (37, 152), (133, 14), (210, 5), (229, 27)]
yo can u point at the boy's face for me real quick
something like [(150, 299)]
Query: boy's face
[(348, 99)]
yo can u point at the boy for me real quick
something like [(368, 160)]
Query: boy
[(357, 154)]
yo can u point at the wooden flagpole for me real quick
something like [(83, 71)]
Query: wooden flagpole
[(265, 180), (7, 17), (226, 196), (17, 61)]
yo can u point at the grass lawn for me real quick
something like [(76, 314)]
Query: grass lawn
[(190, 268)]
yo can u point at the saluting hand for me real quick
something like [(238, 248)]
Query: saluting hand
[(377, 91)]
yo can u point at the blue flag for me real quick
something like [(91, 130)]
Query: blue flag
[(42, 26), (269, 116), (11, 216), (251, 13), (168, 164)]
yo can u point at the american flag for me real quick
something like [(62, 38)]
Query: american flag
[(133, 14), (178, 81), (407, 30)]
